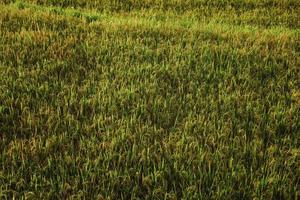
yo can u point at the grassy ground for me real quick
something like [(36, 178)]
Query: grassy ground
[(150, 99)]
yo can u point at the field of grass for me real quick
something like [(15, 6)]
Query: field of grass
[(150, 99)]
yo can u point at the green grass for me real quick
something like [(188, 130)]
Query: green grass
[(149, 99)]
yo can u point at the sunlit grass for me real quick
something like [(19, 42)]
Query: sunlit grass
[(149, 99)]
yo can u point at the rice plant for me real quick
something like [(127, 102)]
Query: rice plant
[(150, 99)]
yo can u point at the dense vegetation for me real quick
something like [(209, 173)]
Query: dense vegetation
[(150, 99)]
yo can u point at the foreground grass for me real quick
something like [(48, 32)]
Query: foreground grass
[(149, 102)]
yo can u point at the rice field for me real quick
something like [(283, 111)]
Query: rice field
[(150, 99)]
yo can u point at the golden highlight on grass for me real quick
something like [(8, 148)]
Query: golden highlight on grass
[(149, 99)]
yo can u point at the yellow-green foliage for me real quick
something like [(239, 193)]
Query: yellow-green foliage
[(149, 99)]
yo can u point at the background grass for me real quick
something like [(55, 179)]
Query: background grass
[(149, 99)]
